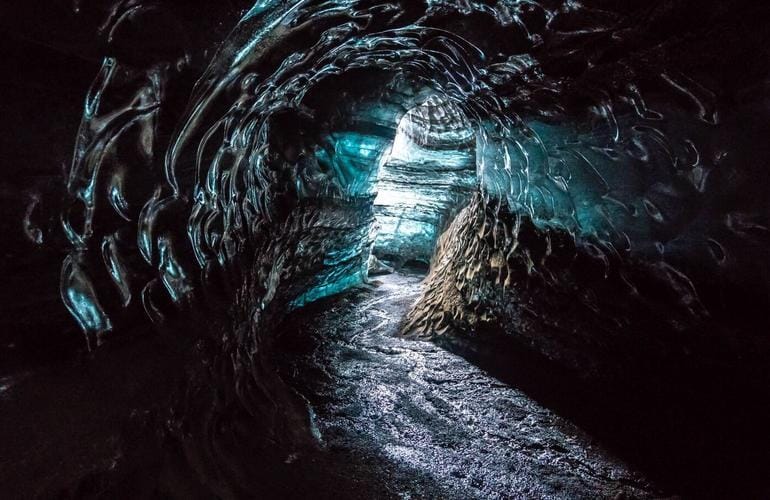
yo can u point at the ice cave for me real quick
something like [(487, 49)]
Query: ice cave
[(385, 249)]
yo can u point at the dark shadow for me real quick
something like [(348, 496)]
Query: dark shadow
[(696, 432)]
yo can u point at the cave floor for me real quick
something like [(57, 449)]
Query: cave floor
[(405, 418)]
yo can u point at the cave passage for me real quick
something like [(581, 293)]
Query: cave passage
[(385, 248), (425, 178)]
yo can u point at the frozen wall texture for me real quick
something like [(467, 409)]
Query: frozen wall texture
[(597, 124), (586, 178)]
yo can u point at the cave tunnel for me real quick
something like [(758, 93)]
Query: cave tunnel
[(424, 179), (385, 249)]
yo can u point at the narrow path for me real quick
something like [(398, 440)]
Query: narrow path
[(408, 419)]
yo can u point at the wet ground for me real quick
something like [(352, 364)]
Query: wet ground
[(406, 418)]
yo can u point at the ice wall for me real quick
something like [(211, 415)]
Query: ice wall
[(425, 179), (612, 124)]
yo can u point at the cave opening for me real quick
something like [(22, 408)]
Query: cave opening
[(396, 168), (425, 178)]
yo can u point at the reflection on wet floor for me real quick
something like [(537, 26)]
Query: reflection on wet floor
[(427, 421)]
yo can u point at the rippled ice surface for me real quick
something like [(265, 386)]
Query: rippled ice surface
[(583, 118)]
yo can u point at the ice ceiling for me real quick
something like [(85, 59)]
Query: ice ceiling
[(542, 155)]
